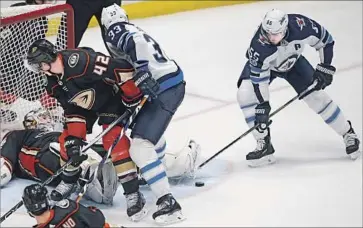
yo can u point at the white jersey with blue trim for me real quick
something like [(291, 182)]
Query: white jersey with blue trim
[(131, 43), (264, 56)]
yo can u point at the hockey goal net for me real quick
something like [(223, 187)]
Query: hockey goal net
[(20, 89)]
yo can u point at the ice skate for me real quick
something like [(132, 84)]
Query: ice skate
[(263, 154), (62, 191), (352, 143), (136, 206), (169, 211)]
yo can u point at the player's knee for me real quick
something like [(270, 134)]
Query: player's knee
[(318, 101), (245, 94), (142, 152)]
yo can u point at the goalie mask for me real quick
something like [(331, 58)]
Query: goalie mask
[(38, 119)]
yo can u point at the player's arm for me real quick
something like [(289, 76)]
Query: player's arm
[(130, 40), (10, 147), (260, 57), (320, 39)]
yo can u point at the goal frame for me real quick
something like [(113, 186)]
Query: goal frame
[(66, 8)]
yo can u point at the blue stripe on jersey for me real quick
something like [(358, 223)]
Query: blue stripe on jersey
[(250, 119), (257, 80), (171, 82), (255, 70)]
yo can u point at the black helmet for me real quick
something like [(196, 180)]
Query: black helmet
[(40, 51), (35, 199)]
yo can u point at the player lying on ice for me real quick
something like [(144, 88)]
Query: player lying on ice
[(65, 213), (276, 51), (33, 153)]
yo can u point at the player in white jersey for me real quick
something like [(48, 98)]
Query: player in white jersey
[(160, 78), (276, 51)]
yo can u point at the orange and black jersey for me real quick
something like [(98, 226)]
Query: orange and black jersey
[(90, 80), (27, 154), (68, 213)]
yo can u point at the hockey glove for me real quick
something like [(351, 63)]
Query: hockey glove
[(143, 79), (324, 75), (262, 112), (73, 146)]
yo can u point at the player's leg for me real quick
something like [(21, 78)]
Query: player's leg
[(125, 167), (300, 77), (8, 159), (247, 100), (69, 176), (151, 124)]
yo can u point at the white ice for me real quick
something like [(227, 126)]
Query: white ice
[(312, 184)]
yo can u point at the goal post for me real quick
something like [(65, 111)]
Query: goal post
[(22, 90)]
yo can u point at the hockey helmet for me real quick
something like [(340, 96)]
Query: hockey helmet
[(113, 14), (38, 119), (35, 199), (275, 22), (40, 51)]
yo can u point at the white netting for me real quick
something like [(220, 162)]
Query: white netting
[(20, 89)]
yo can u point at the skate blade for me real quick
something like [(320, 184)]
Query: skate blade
[(266, 160), (164, 220), (139, 216), (355, 155)]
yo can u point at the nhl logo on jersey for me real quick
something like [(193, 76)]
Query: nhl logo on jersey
[(73, 60)]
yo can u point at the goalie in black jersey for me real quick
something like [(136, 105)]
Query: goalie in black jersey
[(33, 153)]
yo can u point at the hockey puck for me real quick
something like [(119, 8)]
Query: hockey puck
[(199, 184)]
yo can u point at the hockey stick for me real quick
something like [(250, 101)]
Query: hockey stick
[(104, 158), (61, 169), (304, 93)]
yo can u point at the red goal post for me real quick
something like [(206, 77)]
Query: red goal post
[(21, 90)]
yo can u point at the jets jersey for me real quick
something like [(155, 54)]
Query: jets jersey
[(127, 41), (264, 57)]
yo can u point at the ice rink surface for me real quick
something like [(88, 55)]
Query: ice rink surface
[(313, 182)]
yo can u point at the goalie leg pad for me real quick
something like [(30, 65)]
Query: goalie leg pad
[(182, 162), (322, 104), (103, 188)]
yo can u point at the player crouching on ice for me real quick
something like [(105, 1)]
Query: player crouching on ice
[(65, 213), (276, 51)]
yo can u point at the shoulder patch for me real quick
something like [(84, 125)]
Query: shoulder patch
[(73, 60)]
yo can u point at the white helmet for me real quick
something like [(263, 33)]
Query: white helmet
[(112, 14), (38, 119), (275, 22)]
